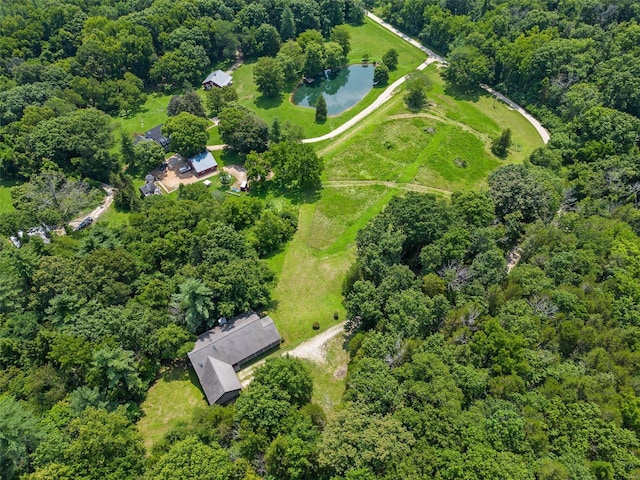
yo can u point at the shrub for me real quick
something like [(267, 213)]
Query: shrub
[(336, 315), (316, 325)]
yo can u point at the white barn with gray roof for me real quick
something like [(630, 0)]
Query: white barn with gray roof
[(223, 350)]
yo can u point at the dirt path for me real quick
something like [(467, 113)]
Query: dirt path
[(238, 172), (414, 187), (513, 257), (99, 210), (314, 349)]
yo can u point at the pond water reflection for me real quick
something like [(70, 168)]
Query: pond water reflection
[(341, 89)]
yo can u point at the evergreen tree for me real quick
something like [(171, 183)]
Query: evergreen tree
[(126, 149), (500, 146), (275, 132), (287, 25), (321, 110)]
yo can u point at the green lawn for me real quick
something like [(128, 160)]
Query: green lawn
[(374, 40), (151, 114), (173, 398), (114, 217), (339, 209), (5, 195)]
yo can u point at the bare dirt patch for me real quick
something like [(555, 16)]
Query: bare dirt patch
[(315, 348), (340, 372), (238, 172)]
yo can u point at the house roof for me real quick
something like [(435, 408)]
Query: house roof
[(239, 340), (218, 78), (148, 189), (202, 162), (154, 134), (218, 378)]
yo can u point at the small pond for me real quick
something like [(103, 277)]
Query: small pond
[(341, 89)]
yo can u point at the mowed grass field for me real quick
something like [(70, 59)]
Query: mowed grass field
[(445, 146), (174, 397)]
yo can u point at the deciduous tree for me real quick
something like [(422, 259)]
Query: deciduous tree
[(219, 98), (268, 75), (381, 74), (390, 58), (188, 133), (243, 130)]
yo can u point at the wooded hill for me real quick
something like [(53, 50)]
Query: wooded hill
[(463, 365)]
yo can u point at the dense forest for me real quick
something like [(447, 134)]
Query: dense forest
[(493, 335)]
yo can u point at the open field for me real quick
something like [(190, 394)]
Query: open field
[(339, 209), (152, 113), (369, 38), (309, 285), (446, 146)]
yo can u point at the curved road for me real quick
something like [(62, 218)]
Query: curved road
[(543, 132)]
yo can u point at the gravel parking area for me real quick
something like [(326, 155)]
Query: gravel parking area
[(171, 178)]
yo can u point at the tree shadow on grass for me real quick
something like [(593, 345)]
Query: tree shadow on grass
[(267, 103), (228, 156), (459, 93), (296, 197)]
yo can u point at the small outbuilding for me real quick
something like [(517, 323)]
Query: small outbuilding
[(150, 188), (223, 350), (203, 163), (217, 79)]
